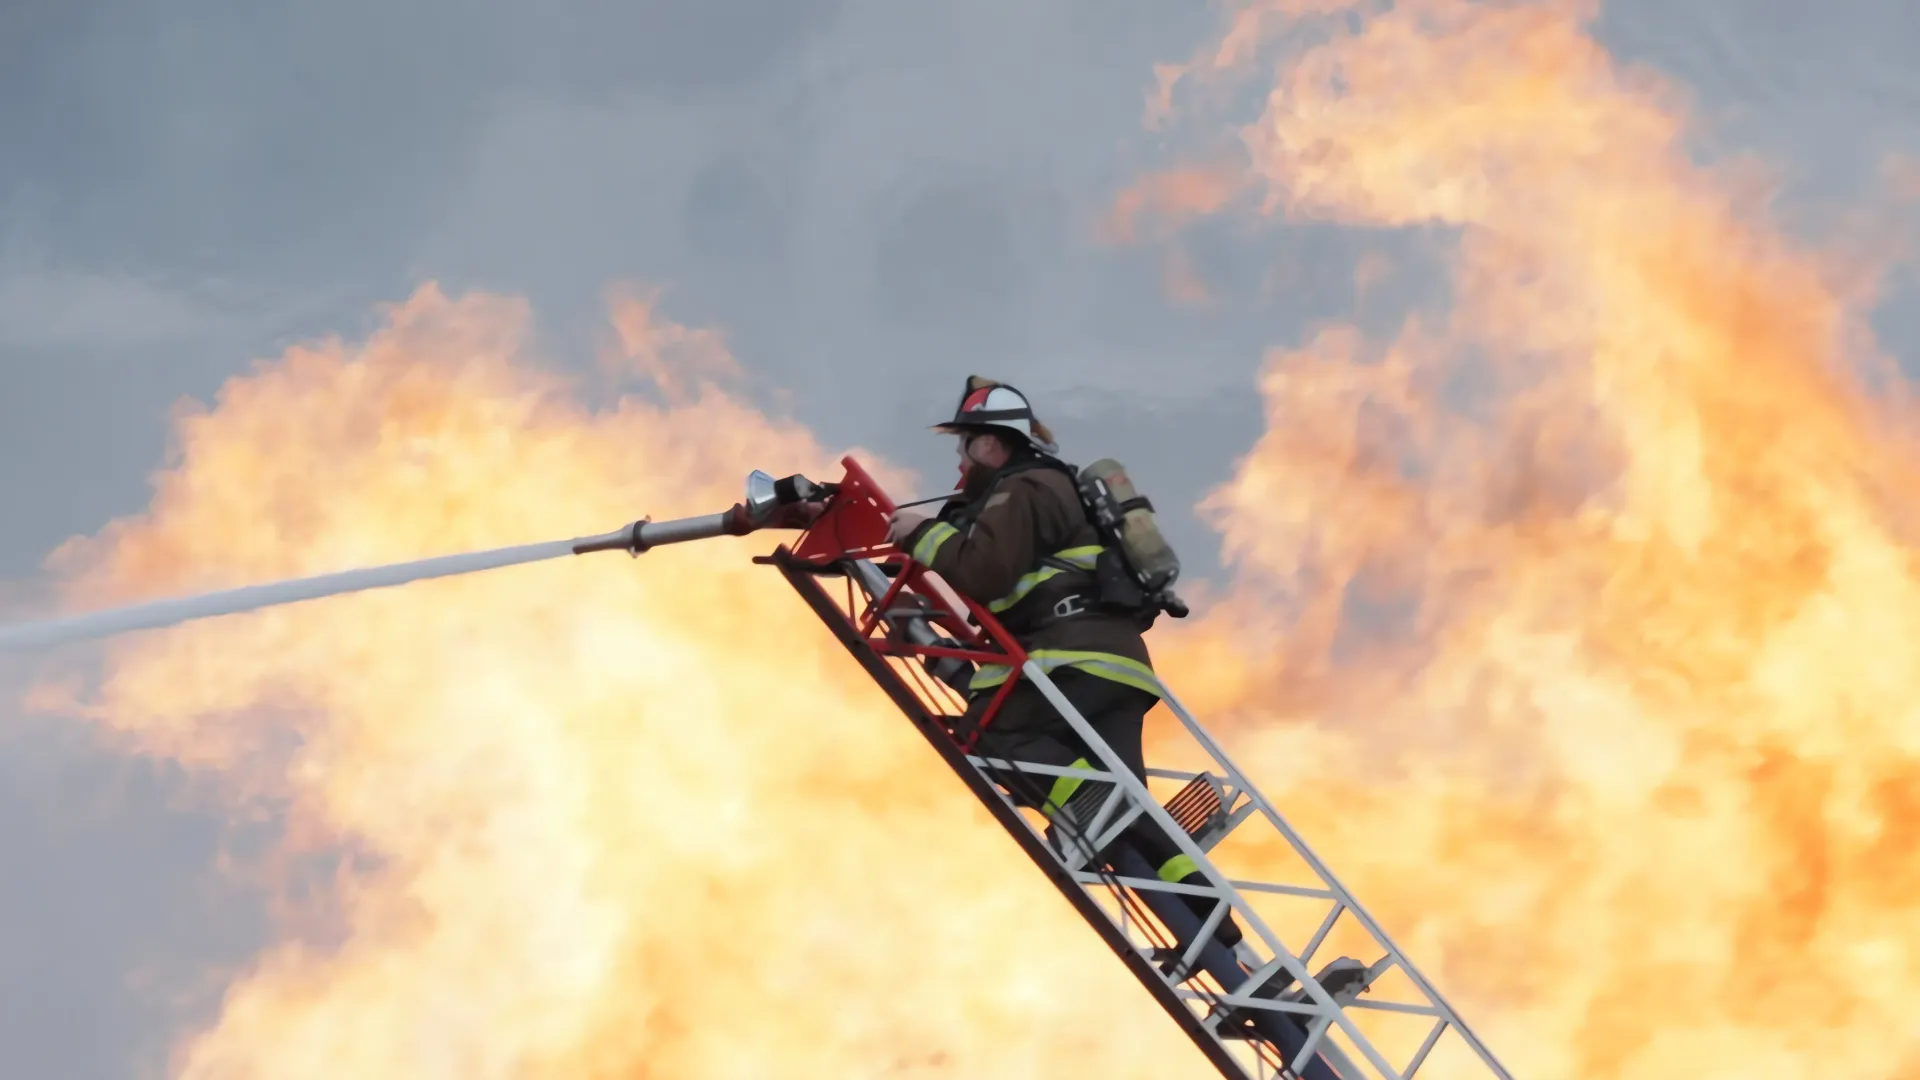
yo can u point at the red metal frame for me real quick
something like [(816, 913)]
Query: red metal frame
[(854, 525)]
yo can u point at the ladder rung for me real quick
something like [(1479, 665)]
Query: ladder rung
[(1205, 952)]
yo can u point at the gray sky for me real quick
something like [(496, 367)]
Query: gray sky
[(894, 192)]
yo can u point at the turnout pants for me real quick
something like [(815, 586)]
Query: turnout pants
[(1029, 728)]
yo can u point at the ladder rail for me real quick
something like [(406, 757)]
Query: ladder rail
[(1329, 1009), (921, 640), (1076, 893), (1326, 875), (1333, 890), (896, 667)]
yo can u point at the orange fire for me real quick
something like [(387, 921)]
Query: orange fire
[(617, 818), (1578, 626), (1598, 589)]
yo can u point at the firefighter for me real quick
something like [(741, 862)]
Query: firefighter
[(1018, 540)]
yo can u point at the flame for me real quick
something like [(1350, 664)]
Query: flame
[(1575, 624), (1176, 194), (606, 818), (665, 353), (1597, 673)]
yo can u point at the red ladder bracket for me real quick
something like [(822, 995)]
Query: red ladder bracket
[(854, 526)]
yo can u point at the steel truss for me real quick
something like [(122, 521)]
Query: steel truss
[(1255, 1011)]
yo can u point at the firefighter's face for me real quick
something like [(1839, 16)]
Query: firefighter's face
[(980, 449)]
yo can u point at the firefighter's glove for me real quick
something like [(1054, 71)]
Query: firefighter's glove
[(902, 524), (798, 515)]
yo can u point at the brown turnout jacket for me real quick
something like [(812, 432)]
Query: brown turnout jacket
[(994, 551)]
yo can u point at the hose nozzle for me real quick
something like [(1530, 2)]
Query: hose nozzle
[(767, 496)]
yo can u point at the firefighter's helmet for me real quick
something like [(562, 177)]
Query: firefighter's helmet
[(987, 405)]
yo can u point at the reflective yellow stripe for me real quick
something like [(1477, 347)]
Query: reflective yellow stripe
[(1064, 787), (1178, 867), (1106, 665), (988, 676), (1086, 558), (930, 542)]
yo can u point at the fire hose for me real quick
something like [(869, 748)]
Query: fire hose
[(769, 503)]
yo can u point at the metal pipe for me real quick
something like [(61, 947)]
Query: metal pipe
[(645, 534), (653, 534), (766, 497), (951, 670)]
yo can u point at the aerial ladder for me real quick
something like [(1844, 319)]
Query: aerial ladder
[(1256, 1011)]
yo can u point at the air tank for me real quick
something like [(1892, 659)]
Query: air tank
[(1151, 557)]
